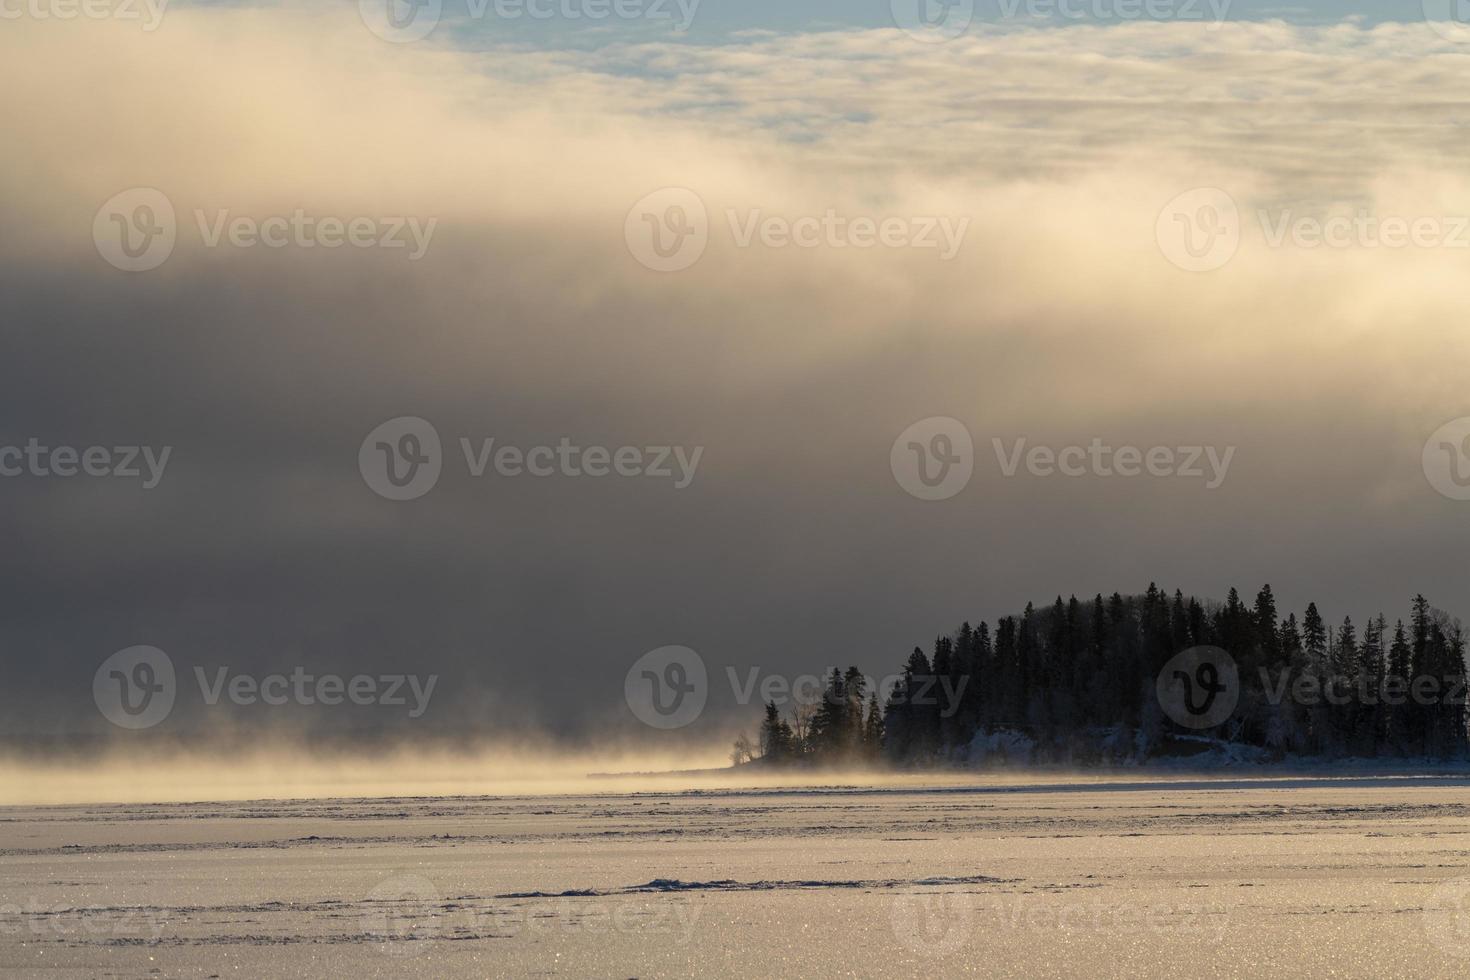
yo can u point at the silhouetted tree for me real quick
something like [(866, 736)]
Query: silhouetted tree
[(1075, 682)]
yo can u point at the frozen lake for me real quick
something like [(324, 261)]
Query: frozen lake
[(1055, 877)]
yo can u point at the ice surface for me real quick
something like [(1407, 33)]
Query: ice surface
[(1060, 877)]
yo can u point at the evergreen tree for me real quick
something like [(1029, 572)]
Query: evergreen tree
[(829, 725), (1179, 624), (946, 677), (1343, 661), (1199, 634), (854, 687), (1009, 700), (1290, 641), (1341, 686), (873, 728), (911, 721), (1400, 715), (1421, 633), (1265, 620), (1420, 715), (776, 741), (1373, 721), (1033, 704), (977, 699), (1076, 683), (1314, 639), (1236, 629), (1453, 676), (1290, 724)]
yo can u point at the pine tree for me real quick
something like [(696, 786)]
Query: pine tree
[(1314, 639), (1199, 634), (1343, 662), (1265, 627), (1341, 681), (1400, 653), (1290, 725), (854, 686), (1126, 665), (1033, 704), (1080, 677), (1158, 639), (1421, 716), (977, 699), (1009, 696), (1290, 641), (1373, 720), (1097, 709), (1056, 671), (961, 713), (1421, 632), (1453, 676), (1316, 718), (946, 672), (775, 738), (1370, 653), (1180, 638), (1400, 715), (911, 721), (1432, 708), (1236, 627), (829, 725), (873, 728)]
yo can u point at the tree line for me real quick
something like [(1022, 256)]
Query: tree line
[(1075, 683)]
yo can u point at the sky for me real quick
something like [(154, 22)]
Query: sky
[(723, 21), (715, 20), (1031, 281)]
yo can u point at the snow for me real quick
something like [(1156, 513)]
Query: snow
[(1026, 876)]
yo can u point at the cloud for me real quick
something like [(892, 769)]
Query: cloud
[(1060, 319)]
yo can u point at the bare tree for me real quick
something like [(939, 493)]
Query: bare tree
[(743, 751), (802, 713)]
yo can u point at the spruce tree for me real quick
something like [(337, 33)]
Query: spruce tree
[(854, 686), (775, 737), (1080, 677), (1265, 624), (1400, 714), (1371, 666), (1290, 641), (873, 728), (977, 699), (1009, 699), (1179, 625), (1314, 639), (829, 725), (1341, 692)]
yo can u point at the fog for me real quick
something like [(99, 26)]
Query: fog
[(527, 320)]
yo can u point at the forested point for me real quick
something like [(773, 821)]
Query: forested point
[(1077, 683)]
